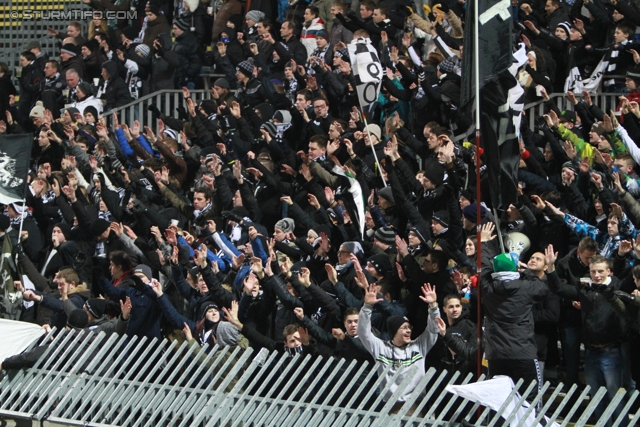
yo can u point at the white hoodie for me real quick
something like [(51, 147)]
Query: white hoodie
[(409, 358)]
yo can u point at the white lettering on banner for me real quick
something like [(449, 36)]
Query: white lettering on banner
[(7, 172), (576, 83), (499, 9)]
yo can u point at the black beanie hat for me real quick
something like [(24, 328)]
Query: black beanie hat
[(208, 106), (153, 8), (208, 306), (381, 263), (98, 226), (91, 110), (441, 217), (96, 307), (434, 173), (468, 194), (65, 228), (394, 323), (130, 33), (78, 319)]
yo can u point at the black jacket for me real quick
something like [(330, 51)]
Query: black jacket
[(6, 88), (51, 94), (117, 93), (163, 65), (508, 308), (461, 339), (291, 49), (252, 94), (545, 316), (570, 269), (29, 88), (186, 47), (601, 325)]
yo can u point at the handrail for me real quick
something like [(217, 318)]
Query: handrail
[(168, 100), (165, 100)]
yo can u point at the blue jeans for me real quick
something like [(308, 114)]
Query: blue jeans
[(571, 337), (603, 368)]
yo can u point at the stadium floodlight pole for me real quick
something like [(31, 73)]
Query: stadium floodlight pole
[(476, 77)]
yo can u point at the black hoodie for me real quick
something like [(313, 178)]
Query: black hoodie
[(116, 93)]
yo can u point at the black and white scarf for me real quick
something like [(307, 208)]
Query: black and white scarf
[(198, 212)]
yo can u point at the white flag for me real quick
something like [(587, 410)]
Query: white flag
[(591, 84), (367, 70)]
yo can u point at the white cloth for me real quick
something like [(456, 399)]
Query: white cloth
[(17, 336), (493, 393)]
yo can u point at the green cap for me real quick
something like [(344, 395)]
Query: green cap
[(503, 262)]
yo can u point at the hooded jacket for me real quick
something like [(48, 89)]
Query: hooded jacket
[(186, 47), (508, 308), (411, 357), (78, 296), (163, 67), (116, 93), (155, 28)]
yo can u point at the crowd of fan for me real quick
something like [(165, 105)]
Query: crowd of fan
[(271, 216)]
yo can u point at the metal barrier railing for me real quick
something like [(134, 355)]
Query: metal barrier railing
[(166, 101), (537, 109), (97, 380)]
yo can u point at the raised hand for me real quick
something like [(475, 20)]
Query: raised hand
[(553, 208), (313, 201), (171, 237), (571, 97), (356, 262), (135, 129), (371, 297), (237, 262), (458, 279), (125, 308), (596, 178), (403, 247), (187, 332), (428, 294), (232, 315), (299, 312), (117, 228), (624, 248), (305, 338), (157, 287), (332, 273), (304, 276), (617, 210), (550, 258), (614, 120), (487, 232), (401, 274)]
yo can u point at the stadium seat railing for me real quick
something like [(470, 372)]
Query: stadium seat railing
[(99, 380)]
